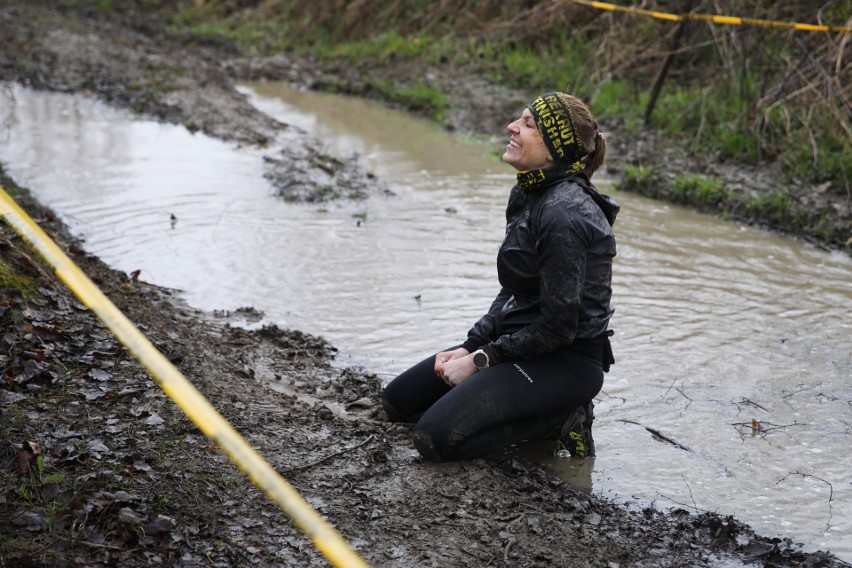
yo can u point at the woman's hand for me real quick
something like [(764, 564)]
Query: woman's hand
[(453, 367), (442, 358)]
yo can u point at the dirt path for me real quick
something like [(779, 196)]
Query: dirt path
[(99, 468)]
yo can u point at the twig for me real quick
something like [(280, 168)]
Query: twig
[(750, 403), (803, 389), (658, 434), (764, 429), (756, 427), (810, 86), (700, 130), (609, 396), (469, 553), (838, 65), (680, 390), (95, 545), (827, 76), (826, 396), (694, 505), (329, 457), (383, 374), (684, 505), (670, 388), (830, 492), (506, 550)]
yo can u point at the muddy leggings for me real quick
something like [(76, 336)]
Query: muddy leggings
[(492, 409)]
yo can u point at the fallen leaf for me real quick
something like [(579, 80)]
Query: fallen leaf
[(97, 449), (159, 525), (100, 375), (129, 516), (29, 521), (154, 420)]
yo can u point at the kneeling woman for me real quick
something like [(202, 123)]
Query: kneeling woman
[(531, 366)]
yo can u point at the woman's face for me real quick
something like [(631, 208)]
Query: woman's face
[(526, 149)]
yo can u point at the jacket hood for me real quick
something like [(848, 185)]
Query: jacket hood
[(605, 202)]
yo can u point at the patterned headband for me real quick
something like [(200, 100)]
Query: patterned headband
[(555, 120)]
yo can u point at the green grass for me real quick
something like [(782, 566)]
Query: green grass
[(696, 188), (821, 152), (10, 277), (772, 206), (641, 179), (210, 30), (388, 45), (422, 97), (618, 98), (417, 97), (565, 64), (102, 5), (710, 120)]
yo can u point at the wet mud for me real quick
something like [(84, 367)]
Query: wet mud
[(99, 468)]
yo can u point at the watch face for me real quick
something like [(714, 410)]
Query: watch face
[(480, 360)]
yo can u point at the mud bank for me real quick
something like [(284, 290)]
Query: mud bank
[(140, 68), (99, 468)]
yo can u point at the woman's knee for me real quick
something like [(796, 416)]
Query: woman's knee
[(393, 413), (425, 444)]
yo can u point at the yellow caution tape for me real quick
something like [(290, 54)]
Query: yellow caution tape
[(728, 20), (182, 392)]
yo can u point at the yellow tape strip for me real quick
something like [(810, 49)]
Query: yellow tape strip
[(181, 391), (728, 20)]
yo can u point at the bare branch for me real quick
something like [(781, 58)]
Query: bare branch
[(830, 489), (748, 402), (658, 435), (803, 389), (758, 427), (329, 457)]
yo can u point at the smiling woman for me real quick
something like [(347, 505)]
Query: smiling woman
[(528, 149), (531, 365)]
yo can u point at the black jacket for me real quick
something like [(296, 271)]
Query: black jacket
[(555, 271)]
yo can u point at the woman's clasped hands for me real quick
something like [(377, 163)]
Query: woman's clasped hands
[(455, 366)]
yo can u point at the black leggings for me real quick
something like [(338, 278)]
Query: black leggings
[(502, 405)]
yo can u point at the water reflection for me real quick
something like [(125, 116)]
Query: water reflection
[(392, 144), (716, 325), (576, 472)]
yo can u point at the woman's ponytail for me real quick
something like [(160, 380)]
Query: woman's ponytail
[(596, 157), (587, 130)]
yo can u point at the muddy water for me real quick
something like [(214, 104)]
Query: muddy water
[(731, 392)]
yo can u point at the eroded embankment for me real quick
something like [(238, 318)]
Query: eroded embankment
[(158, 77)]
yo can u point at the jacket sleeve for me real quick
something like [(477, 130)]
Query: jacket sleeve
[(487, 329), (563, 236)]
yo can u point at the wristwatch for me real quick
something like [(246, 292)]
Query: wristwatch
[(481, 360)]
